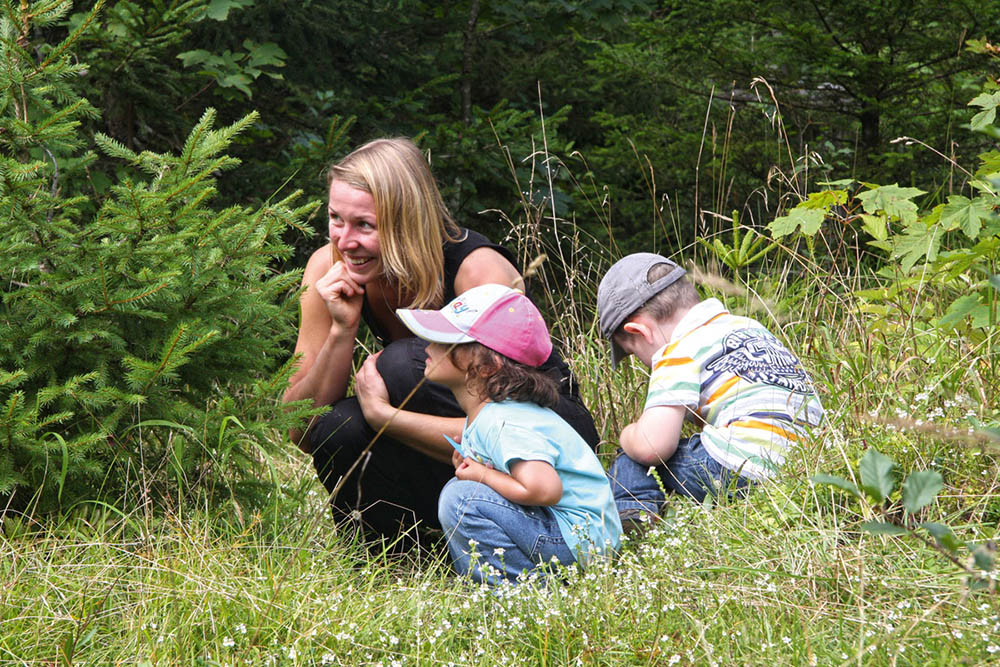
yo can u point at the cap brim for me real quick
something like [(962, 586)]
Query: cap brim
[(617, 354), (432, 326)]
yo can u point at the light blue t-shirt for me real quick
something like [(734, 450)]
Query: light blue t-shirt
[(507, 432)]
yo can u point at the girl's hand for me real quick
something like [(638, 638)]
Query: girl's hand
[(372, 394), (472, 470), (456, 458), (342, 296)]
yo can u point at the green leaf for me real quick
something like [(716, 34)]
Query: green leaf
[(809, 220), (965, 213), (878, 475), (892, 199), (838, 482), (995, 281), (196, 57), (983, 119), (918, 241), (920, 488), (883, 528), (958, 310), (943, 535), (984, 556), (875, 225)]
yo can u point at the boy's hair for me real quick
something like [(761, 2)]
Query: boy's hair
[(666, 302), (498, 378)]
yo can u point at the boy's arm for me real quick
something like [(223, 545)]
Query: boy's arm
[(530, 482), (653, 439)]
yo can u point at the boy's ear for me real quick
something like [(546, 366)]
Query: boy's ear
[(637, 328)]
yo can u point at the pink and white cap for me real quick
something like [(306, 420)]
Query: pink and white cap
[(500, 318)]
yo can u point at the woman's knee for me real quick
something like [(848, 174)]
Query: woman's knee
[(339, 434)]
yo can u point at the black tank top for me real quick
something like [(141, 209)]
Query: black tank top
[(455, 253)]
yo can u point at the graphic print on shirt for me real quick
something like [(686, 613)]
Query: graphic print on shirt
[(757, 356)]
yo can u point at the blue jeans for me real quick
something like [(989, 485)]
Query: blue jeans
[(509, 538), (689, 472)]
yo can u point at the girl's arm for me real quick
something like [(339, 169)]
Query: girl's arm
[(330, 315), (534, 483)]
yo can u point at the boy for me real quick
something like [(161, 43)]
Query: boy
[(726, 373)]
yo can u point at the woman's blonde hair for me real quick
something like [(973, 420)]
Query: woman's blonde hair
[(411, 217)]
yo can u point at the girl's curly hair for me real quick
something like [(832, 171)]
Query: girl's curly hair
[(499, 378)]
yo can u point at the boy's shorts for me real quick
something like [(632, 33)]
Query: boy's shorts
[(691, 472)]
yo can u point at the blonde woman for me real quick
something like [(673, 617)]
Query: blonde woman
[(392, 245)]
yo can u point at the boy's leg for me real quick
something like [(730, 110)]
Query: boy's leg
[(634, 488), (507, 538), (692, 472)]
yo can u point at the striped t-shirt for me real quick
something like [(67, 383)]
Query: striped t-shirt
[(752, 393)]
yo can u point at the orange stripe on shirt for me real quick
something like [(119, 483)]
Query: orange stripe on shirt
[(670, 348), (679, 361), (726, 386), (764, 426)]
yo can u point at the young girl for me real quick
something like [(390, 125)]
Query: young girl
[(527, 488)]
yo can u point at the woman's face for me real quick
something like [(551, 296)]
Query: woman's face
[(354, 231)]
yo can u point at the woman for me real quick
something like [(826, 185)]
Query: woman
[(392, 245)]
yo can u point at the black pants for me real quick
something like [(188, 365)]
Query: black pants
[(395, 486)]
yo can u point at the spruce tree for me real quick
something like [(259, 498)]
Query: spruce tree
[(142, 337)]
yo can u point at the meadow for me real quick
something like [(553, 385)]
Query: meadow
[(125, 327), (787, 576)]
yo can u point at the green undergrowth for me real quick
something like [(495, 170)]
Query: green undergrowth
[(784, 576)]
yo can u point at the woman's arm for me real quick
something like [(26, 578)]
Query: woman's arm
[(423, 432), (534, 483), (330, 315)]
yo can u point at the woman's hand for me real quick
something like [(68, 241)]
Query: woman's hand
[(343, 297), (372, 394)]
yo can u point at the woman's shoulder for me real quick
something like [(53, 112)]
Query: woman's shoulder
[(319, 263)]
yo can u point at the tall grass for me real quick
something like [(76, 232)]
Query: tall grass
[(785, 576)]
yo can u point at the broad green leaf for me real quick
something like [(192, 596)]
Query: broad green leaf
[(943, 535), (965, 213), (838, 482), (983, 119), (264, 54), (883, 528), (876, 226), (878, 475), (892, 199), (219, 9), (920, 488), (196, 57), (918, 241), (992, 433), (958, 310), (981, 316), (990, 163), (986, 100), (809, 220), (984, 556), (995, 281), (824, 199)]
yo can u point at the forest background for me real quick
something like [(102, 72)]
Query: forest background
[(830, 167)]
